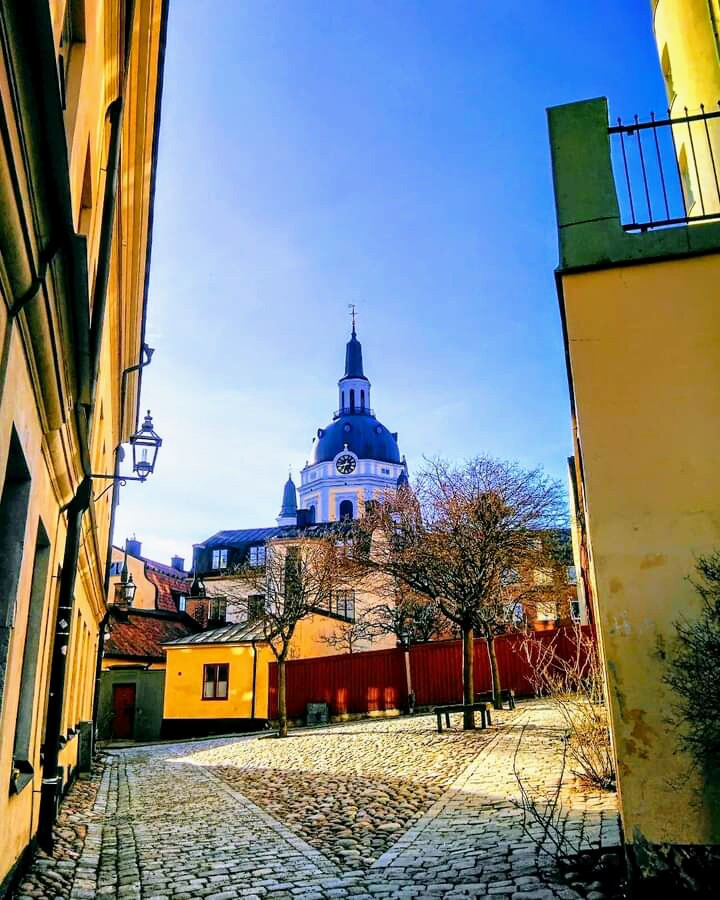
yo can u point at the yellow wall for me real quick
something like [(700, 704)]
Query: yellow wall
[(184, 682), (146, 593), (184, 679), (40, 404), (644, 346), (686, 32)]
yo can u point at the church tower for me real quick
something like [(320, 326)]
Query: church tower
[(355, 458), (288, 510)]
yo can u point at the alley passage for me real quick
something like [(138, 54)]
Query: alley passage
[(376, 808)]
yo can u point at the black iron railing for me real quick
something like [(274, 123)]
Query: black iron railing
[(667, 169), (353, 411)]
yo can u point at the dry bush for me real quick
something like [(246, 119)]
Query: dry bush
[(575, 684), (544, 818)]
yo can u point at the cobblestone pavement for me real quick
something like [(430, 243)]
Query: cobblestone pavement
[(380, 808)]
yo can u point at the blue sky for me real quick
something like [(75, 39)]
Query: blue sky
[(389, 154)]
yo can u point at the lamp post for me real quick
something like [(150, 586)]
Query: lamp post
[(405, 644)]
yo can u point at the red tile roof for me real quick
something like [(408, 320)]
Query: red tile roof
[(165, 584), (139, 633)]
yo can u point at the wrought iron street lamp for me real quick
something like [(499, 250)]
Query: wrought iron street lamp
[(145, 445), (126, 587)]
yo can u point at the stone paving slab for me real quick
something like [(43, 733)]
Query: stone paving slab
[(169, 822)]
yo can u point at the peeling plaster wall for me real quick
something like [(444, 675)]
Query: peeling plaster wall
[(644, 351)]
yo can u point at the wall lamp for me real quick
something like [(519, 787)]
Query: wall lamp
[(126, 587), (145, 444)]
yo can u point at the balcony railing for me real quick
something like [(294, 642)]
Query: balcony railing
[(353, 411), (667, 169)]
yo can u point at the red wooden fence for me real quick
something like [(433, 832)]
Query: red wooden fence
[(376, 680)]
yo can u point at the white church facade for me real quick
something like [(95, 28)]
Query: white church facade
[(353, 459)]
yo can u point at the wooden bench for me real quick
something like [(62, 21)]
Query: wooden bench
[(482, 708), (506, 696)]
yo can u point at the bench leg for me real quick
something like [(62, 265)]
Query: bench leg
[(483, 716), (489, 718), (447, 720), (439, 723)]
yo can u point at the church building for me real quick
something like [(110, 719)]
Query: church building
[(353, 460)]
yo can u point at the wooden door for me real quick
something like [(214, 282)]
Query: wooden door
[(123, 710)]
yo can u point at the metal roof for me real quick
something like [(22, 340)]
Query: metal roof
[(353, 358), (361, 433), (235, 633), (240, 537)]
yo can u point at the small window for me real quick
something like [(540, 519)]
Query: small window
[(345, 604), (546, 611), (257, 555), (115, 568), (311, 511), (362, 399), (70, 55), (346, 509), (571, 575), (687, 185), (219, 559), (667, 74), (181, 602), (385, 471), (217, 610), (352, 399), (575, 610), (215, 681), (256, 607)]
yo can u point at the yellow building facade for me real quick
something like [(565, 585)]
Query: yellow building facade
[(642, 335), (240, 648), (687, 33), (80, 89)]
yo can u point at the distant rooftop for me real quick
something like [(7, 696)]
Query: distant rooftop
[(236, 633)]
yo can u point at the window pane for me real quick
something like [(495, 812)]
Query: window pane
[(209, 678), (222, 681)]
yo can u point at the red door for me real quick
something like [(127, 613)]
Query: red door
[(123, 710)]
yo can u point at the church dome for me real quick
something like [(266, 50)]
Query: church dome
[(364, 435)]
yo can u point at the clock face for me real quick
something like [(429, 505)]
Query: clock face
[(345, 464)]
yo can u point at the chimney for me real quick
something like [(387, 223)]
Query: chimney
[(178, 562), (134, 546), (304, 518)]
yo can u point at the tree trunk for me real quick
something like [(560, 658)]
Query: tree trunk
[(468, 677), (495, 672), (282, 698)]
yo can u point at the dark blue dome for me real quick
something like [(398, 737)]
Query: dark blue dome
[(364, 435)]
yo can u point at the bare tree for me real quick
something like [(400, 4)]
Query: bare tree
[(412, 617), (461, 538), (298, 578), (346, 636)]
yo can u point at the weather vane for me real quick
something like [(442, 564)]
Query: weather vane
[(351, 307)]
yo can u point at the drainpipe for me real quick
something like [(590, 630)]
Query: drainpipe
[(50, 788), (51, 781), (147, 353), (254, 680)]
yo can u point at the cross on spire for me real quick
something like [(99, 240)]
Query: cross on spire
[(351, 307)]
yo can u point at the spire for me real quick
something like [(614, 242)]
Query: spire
[(353, 356), (288, 512)]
